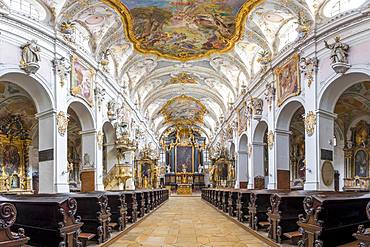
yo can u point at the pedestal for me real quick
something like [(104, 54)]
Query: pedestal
[(87, 180), (184, 189)]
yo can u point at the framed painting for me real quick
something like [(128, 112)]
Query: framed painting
[(288, 80), (82, 80), (361, 163), (184, 158)]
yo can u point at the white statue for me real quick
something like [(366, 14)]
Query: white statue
[(30, 52), (339, 51)]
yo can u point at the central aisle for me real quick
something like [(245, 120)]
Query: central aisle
[(190, 222)]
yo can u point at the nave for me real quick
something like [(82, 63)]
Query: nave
[(187, 222)]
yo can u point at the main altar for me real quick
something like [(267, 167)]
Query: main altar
[(184, 151)]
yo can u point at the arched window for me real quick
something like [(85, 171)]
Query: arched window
[(335, 7), (288, 33), (28, 8)]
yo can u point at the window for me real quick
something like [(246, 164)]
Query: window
[(28, 8), (335, 7)]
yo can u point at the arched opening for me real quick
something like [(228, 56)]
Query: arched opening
[(351, 145), (109, 150), (344, 131), (289, 140), (19, 140), (260, 156), (81, 138), (297, 150), (242, 169)]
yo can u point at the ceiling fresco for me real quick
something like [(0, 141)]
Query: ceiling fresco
[(183, 110), (184, 29)]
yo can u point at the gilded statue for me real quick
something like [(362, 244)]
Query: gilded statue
[(339, 51)]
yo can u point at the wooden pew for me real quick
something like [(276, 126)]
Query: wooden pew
[(283, 215), (151, 197), (363, 233), (225, 200), (118, 208), (242, 210), (146, 200), (232, 202), (220, 194), (258, 208), (140, 203), (95, 214), (330, 219), (8, 216), (131, 204), (49, 220)]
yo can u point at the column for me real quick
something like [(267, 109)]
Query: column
[(321, 142), (282, 145), (53, 172)]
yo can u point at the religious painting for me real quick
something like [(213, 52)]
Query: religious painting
[(242, 119), (184, 110), (288, 80), (11, 159), (184, 159), (183, 29), (82, 81), (361, 163)]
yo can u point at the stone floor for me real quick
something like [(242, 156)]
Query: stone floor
[(187, 222)]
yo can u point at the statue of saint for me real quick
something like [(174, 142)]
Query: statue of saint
[(70, 168), (30, 52), (339, 51), (145, 183)]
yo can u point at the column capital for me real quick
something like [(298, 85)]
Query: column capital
[(283, 132), (45, 114), (257, 144), (88, 132)]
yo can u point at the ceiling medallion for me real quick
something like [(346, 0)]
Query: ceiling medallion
[(182, 78), (183, 29), (183, 110)]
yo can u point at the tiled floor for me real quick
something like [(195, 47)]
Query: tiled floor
[(187, 222)]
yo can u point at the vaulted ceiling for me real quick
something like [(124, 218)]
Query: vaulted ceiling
[(217, 61)]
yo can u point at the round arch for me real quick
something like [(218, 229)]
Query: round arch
[(242, 163), (84, 114), (34, 85), (109, 150), (336, 86), (259, 154), (286, 113)]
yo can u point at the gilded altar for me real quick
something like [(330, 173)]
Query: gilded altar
[(356, 156), (14, 147), (222, 169), (146, 169)]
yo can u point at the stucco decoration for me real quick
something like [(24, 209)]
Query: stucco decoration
[(100, 139), (63, 68), (62, 122), (184, 30), (270, 139), (310, 123), (308, 66)]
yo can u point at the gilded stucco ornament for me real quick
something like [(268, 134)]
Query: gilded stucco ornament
[(104, 61), (62, 122), (67, 28), (339, 55), (264, 58), (100, 138), (63, 68), (303, 25), (310, 122), (30, 57), (308, 66), (270, 139)]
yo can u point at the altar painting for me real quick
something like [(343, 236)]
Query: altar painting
[(82, 80), (288, 80), (361, 164), (184, 158)]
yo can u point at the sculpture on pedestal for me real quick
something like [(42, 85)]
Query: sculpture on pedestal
[(339, 55), (30, 57)]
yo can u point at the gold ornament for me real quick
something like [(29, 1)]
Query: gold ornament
[(270, 139), (62, 123), (310, 122)]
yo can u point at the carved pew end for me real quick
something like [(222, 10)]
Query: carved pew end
[(263, 225), (84, 237), (293, 236), (113, 225)]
